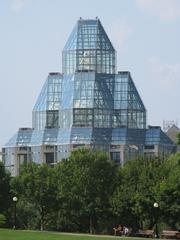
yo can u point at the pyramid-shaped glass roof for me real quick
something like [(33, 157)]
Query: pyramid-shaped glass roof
[(88, 48)]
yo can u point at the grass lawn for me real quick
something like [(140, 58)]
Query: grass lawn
[(9, 234)]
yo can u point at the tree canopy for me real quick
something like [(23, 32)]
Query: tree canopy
[(89, 193), (4, 189), (86, 181)]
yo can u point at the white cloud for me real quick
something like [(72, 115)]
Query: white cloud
[(166, 76), (17, 5), (161, 90), (166, 10), (119, 32)]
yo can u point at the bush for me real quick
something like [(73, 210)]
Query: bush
[(2, 220)]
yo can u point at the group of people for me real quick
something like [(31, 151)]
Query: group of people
[(121, 230)]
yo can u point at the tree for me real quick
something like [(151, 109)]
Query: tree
[(36, 186), (2, 220), (178, 138), (136, 192), (169, 192), (86, 181), (5, 199)]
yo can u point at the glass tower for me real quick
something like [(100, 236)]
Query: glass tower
[(88, 105)]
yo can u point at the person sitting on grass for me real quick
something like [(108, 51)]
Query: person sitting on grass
[(118, 230), (125, 231)]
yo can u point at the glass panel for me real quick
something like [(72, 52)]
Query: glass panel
[(88, 49)]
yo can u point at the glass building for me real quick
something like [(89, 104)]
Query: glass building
[(89, 105)]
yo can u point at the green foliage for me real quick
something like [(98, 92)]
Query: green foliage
[(178, 138), (2, 220), (27, 215), (169, 193), (36, 186), (5, 198), (89, 193), (134, 197), (72, 196), (86, 181)]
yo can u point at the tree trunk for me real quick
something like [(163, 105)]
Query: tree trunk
[(90, 225), (42, 218)]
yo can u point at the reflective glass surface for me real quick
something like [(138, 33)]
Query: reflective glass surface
[(154, 135), (88, 48), (12, 141), (46, 109), (129, 110), (81, 135), (89, 105)]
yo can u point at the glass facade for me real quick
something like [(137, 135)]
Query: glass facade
[(88, 105), (88, 49), (129, 110), (46, 110)]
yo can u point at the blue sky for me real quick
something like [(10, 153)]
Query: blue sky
[(145, 33)]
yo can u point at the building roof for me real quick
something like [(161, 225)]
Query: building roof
[(172, 133)]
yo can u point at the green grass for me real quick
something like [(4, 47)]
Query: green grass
[(9, 234)]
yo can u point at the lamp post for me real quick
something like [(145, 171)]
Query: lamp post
[(15, 199), (156, 206)]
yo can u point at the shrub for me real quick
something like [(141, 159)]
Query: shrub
[(2, 220)]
